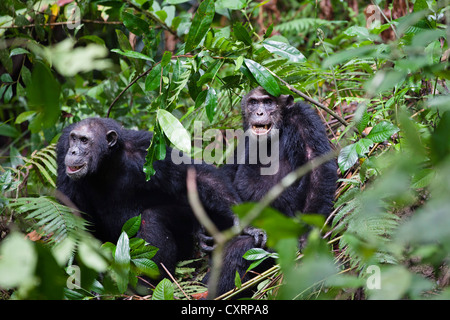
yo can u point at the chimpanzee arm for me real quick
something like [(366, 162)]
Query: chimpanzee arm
[(321, 182), (215, 192)]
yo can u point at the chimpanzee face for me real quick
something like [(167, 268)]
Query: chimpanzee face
[(86, 147), (262, 112)]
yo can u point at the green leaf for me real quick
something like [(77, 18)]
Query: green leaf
[(167, 56), (382, 131), (18, 260), (284, 50), (147, 267), (347, 157), (124, 43), (153, 79), (230, 4), (345, 55), (17, 51), (200, 25), (422, 178), (163, 291), (263, 77), (241, 33), (25, 116), (361, 117), (176, 1), (276, 224), (122, 254), (43, 97), (8, 130), (211, 104), (174, 130), (384, 81), (135, 24), (256, 254), (363, 146), (131, 227), (237, 280), (122, 260), (133, 54)]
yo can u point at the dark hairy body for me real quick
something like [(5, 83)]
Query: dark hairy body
[(301, 138), (100, 169)]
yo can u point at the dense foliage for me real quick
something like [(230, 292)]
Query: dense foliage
[(376, 71)]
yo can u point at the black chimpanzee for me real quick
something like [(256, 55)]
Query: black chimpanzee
[(301, 137), (100, 169)]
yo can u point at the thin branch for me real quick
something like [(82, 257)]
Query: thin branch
[(285, 183), (143, 74), (311, 100), (61, 23), (219, 238), (175, 281)]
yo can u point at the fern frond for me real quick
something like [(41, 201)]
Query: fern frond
[(51, 217), (304, 24), (179, 83), (44, 161)]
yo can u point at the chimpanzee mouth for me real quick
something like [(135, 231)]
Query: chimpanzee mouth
[(261, 129), (74, 169)]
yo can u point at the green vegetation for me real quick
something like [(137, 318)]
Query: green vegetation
[(378, 73)]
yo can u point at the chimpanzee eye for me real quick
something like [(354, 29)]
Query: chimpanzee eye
[(84, 139)]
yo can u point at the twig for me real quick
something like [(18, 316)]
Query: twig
[(219, 237), (143, 74), (175, 281), (311, 100), (285, 183), (61, 23)]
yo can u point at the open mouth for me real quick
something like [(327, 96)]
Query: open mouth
[(260, 129), (74, 169)]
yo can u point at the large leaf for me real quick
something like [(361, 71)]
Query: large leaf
[(242, 34), (43, 97), (382, 131), (131, 227), (133, 54), (122, 259), (174, 130), (263, 77), (156, 151), (211, 103), (18, 260), (135, 24), (284, 50), (200, 25), (153, 79), (347, 157), (163, 291)]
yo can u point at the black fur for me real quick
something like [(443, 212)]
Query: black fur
[(115, 189), (302, 137)]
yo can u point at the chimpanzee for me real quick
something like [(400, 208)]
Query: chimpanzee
[(300, 136), (100, 169)]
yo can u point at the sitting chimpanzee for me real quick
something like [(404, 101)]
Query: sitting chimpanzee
[(300, 136), (100, 169)]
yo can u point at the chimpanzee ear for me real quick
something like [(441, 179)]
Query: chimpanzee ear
[(286, 100), (111, 137)]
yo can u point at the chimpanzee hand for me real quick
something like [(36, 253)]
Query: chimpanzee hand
[(205, 241), (258, 235), (207, 245)]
